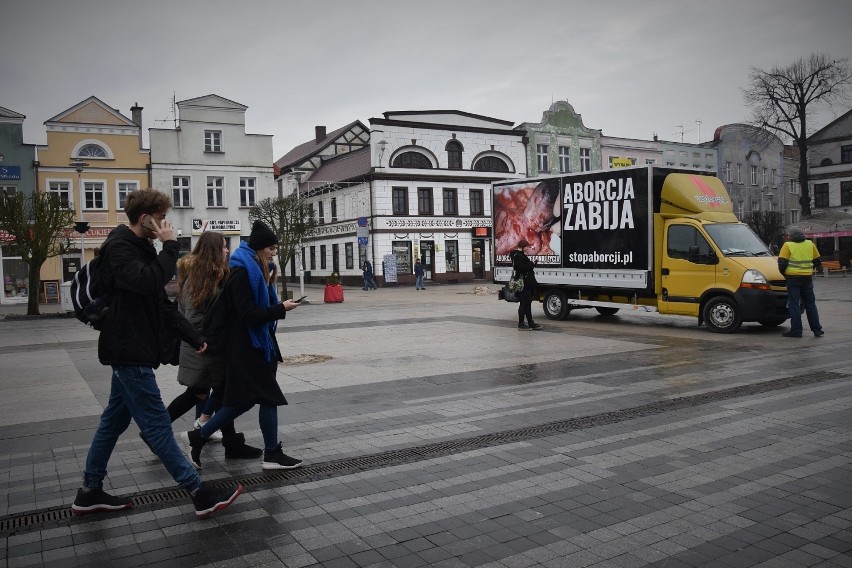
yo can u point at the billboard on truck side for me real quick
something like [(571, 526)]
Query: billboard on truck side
[(596, 221)]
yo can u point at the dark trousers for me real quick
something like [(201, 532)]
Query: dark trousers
[(525, 309)]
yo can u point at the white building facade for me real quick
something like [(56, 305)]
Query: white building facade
[(419, 188), (212, 169)]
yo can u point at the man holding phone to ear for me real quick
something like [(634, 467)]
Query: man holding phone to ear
[(134, 341)]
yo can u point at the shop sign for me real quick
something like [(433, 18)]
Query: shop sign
[(481, 232), (10, 172), (227, 226)]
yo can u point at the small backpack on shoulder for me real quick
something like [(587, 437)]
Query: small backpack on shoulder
[(90, 293)]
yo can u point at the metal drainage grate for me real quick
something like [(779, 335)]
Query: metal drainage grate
[(156, 499)]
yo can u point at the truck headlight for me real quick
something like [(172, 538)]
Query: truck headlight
[(755, 280)]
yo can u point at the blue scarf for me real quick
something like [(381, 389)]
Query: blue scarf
[(264, 296)]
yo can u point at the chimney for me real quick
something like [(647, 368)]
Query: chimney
[(136, 117), (320, 133)]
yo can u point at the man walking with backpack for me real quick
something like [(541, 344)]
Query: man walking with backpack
[(136, 336)]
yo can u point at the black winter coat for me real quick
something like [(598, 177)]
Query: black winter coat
[(249, 377), (522, 264), (142, 321)]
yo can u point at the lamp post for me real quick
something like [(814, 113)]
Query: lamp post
[(298, 177), (80, 226)]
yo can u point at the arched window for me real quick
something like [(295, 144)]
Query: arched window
[(92, 151), (412, 160), (826, 162), (454, 155), (491, 164)]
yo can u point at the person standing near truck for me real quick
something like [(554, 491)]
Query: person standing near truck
[(525, 267), (797, 260)]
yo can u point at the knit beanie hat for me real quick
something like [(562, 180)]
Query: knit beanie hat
[(796, 234), (261, 236)]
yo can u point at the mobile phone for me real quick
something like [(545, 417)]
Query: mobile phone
[(146, 222), (300, 299)]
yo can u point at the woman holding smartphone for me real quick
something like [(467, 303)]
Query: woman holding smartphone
[(201, 276), (252, 353)]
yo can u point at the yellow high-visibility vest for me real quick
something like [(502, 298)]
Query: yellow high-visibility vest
[(801, 261)]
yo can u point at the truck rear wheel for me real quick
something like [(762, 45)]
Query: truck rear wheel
[(555, 305), (607, 311), (722, 315)]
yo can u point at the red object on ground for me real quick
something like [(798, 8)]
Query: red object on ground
[(333, 293)]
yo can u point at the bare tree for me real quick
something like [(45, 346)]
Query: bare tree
[(769, 225), (782, 97), (291, 219), (37, 223)]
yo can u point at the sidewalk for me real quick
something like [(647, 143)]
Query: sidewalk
[(434, 433)]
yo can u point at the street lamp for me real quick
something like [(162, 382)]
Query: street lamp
[(80, 226), (298, 177)]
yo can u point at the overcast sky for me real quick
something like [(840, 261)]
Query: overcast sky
[(631, 68)]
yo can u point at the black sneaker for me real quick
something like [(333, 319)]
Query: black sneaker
[(277, 459), (523, 327), (819, 333), (208, 500), (193, 442), (535, 326), (98, 501)]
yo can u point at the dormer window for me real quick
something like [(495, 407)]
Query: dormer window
[(212, 140), (92, 151)]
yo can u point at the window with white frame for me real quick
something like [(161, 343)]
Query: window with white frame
[(123, 189), (181, 191), (248, 193), (94, 195), (755, 205), (753, 172), (765, 177), (63, 190), (739, 173), (541, 157), (794, 215), (564, 159), (333, 209), (585, 159), (728, 172), (794, 186), (212, 140), (773, 179), (740, 209), (215, 191)]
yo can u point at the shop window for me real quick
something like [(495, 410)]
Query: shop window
[(313, 258), (349, 250), (16, 281), (322, 257), (451, 255), (402, 253)]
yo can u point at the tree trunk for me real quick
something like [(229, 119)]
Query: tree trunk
[(805, 199), (34, 270)]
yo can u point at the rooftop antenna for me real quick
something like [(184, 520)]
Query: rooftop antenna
[(173, 119), (698, 122)]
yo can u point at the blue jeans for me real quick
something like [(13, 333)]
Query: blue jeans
[(267, 419), (134, 394), (418, 282), (800, 290)]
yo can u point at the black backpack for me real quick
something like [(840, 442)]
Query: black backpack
[(90, 293)]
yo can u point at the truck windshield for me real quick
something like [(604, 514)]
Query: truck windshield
[(735, 239)]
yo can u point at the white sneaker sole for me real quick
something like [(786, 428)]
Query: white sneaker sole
[(274, 465), (214, 437)]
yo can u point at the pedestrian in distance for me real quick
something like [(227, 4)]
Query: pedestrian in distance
[(134, 340), (252, 353), (369, 280), (524, 266), (797, 260), (201, 277), (418, 275)]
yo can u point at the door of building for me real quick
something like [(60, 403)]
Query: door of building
[(478, 256), (427, 257)]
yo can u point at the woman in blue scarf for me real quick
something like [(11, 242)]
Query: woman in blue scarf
[(252, 353)]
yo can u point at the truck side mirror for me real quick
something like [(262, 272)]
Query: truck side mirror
[(692, 254)]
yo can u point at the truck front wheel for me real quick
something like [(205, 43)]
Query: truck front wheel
[(555, 305), (722, 315)]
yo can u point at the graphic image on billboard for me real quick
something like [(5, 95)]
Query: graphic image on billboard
[(530, 211)]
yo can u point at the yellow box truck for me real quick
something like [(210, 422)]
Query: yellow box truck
[(644, 238)]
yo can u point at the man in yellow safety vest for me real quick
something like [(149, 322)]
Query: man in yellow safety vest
[(797, 261)]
